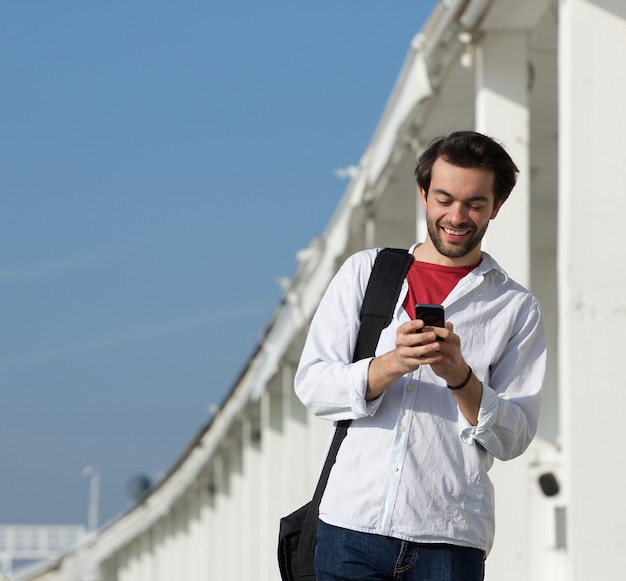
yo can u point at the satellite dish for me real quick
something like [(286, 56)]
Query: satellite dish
[(138, 487)]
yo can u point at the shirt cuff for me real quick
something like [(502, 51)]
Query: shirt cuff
[(358, 375), (487, 415)]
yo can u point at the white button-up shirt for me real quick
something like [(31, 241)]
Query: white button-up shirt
[(411, 466)]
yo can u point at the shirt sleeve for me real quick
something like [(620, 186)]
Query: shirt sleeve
[(510, 404), (326, 381)]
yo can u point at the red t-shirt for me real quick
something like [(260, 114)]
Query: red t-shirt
[(431, 283)]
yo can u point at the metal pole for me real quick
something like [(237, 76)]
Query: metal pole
[(93, 474)]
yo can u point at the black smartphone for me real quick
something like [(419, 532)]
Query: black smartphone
[(432, 315)]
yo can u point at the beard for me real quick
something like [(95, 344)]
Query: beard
[(451, 249)]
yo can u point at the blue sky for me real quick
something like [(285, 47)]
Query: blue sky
[(160, 165)]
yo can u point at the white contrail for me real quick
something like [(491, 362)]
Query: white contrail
[(55, 267), (102, 343), (46, 270)]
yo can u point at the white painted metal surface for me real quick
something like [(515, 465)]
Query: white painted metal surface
[(592, 281), (545, 78)]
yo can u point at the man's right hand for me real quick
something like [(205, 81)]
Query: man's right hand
[(412, 350)]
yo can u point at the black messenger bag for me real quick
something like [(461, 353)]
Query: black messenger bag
[(297, 533)]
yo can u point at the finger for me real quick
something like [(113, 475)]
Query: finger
[(436, 333), (410, 327), (430, 358), (413, 343), (429, 350)]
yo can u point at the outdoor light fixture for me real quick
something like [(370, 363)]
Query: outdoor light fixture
[(549, 484)]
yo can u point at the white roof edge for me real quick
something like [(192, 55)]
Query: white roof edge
[(412, 88)]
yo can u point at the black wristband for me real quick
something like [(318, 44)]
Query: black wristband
[(467, 380)]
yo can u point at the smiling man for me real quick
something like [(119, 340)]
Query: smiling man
[(461, 205), (409, 497)]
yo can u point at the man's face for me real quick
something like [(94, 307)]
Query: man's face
[(459, 205)]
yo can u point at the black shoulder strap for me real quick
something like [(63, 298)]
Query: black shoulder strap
[(381, 296)]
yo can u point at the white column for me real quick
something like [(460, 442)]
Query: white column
[(250, 499), (166, 548), (220, 567), (216, 522), (193, 551), (271, 484), (502, 113), (203, 539), (294, 466), (156, 572), (592, 280), (188, 518), (127, 562), (177, 539), (223, 523), (143, 558), (233, 527)]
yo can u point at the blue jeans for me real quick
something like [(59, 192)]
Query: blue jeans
[(344, 555)]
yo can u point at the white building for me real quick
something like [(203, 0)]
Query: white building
[(545, 78)]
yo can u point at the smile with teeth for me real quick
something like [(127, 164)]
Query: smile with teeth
[(452, 232)]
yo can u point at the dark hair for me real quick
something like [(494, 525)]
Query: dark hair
[(470, 150)]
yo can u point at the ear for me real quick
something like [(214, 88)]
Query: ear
[(496, 209), (423, 195)]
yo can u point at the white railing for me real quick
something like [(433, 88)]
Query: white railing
[(36, 543)]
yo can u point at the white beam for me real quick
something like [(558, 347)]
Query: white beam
[(592, 279), (249, 524), (271, 486), (502, 113)]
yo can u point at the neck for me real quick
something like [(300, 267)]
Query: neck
[(427, 252)]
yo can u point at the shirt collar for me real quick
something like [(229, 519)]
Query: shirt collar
[(486, 265)]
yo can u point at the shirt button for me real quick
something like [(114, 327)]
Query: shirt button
[(403, 428), (394, 468), (409, 388)]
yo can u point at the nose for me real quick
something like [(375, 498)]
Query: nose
[(458, 213)]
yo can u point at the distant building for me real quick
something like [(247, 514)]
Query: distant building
[(21, 545), (547, 79)]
